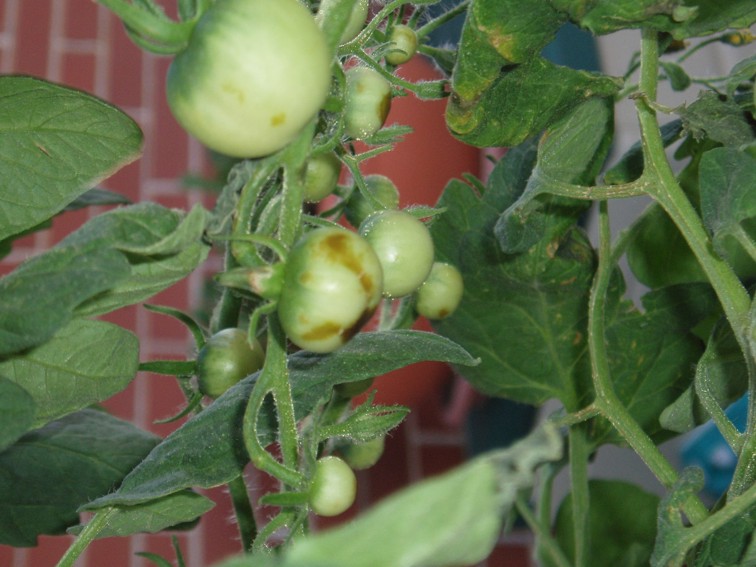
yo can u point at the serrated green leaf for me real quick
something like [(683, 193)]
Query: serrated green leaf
[(606, 16), (85, 362), (723, 121), (712, 16), (55, 144), (97, 198), (154, 516), (17, 411), (622, 517), (162, 245), (572, 151), (676, 75), (728, 203), (42, 294), (50, 472), (742, 72), (723, 368), (421, 526), (208, 450)]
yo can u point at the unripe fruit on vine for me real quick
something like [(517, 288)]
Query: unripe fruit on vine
[(334, 487), (381, 188), (321, 176), (254, 74), (402, 44), (332, 286), (356, 19), (226, 358), (367, 103), (441, 292), (361, 456), (404, 248)]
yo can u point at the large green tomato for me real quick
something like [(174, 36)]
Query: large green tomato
[(404, 247), (254, 74), (332, 286), (225, 359)]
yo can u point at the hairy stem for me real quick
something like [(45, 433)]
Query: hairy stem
[(245, 516), (86, 537)]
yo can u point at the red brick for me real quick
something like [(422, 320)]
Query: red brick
[(169, 141), (165, 400), (33, 39), (79, 71), (81, 19), (219, 530), (126, 68), (113, 552), (48, 552), (510, 555), (6, 553)]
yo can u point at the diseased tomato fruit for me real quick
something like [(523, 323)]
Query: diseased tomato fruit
[(332, 286), (441, 293), (367, 104), (404, 247), (333, 488), (321, 176), (253, 75), (381, 188), (402, 44), (356, 20), (225, 359)]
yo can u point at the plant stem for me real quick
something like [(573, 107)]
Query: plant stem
[(546, 543), (606, 398), (667, 192), (579, 455), (245, 516), (167, 35), (86, 537)]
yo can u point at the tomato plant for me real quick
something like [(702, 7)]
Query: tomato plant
[(525, 302), (253, 74), (226, 358), (404, 248)]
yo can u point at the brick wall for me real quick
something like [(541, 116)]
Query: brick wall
[(80, 44)]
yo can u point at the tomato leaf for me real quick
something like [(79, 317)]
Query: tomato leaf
[(85, 362), (41, 295), (56, 144), (208, 449), (17, 410), (172, 511), (622, 522), (50, 472), (728, 203), (712, 16), (717, 119)]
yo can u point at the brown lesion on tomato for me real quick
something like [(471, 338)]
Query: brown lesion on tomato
[(384, 107), (323, 332), (338, 249), (278, 119)]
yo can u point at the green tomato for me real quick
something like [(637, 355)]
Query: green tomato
[(333, 488), (381, 188), (361, 456), (367, 104), (356, 19), (402, 44), (225, 359), (441, 292), (332, 286), (321, 176), (254, 74), (404, 248)]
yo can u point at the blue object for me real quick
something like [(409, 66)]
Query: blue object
[(707, 449)]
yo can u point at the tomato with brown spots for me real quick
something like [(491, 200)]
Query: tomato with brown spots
[(332, 285)]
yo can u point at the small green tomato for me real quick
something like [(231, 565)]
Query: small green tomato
[(381, 188), (332, 286), (441, 293), (225, 359), (321, 176), (367, 104), (402, 44), (404, 248), (361, 456), (356, 19), (334, 487)]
